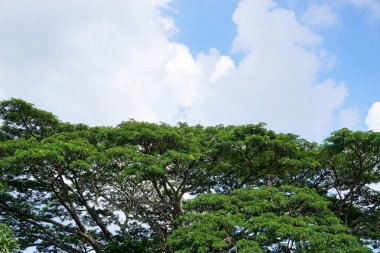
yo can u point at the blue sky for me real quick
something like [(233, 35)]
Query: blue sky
[(205, 24), (307, 67)]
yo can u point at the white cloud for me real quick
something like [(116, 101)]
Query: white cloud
[(224, 65), (103, 63), (373, 117), (321, 15), (375, 186), (96, 63)]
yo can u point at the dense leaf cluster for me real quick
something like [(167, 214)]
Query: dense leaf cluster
[(74, 188), (7, 242)]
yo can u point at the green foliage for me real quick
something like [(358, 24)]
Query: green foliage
[(253, 155), (284, 219), (21, 119), (7, 242)]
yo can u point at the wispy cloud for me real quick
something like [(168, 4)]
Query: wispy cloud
[(373, 6), (320, 16)]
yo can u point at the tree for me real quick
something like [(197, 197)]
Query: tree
[(351, 162), (166, 163), (269, 219)]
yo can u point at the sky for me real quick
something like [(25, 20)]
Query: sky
[(306, 67)]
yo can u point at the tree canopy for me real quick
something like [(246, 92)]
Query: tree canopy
[(74, 188), (283, 219)]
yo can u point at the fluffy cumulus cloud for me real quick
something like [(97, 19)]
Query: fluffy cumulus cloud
[(103, 63), (277, 80), (373, 117), (95, 63)]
